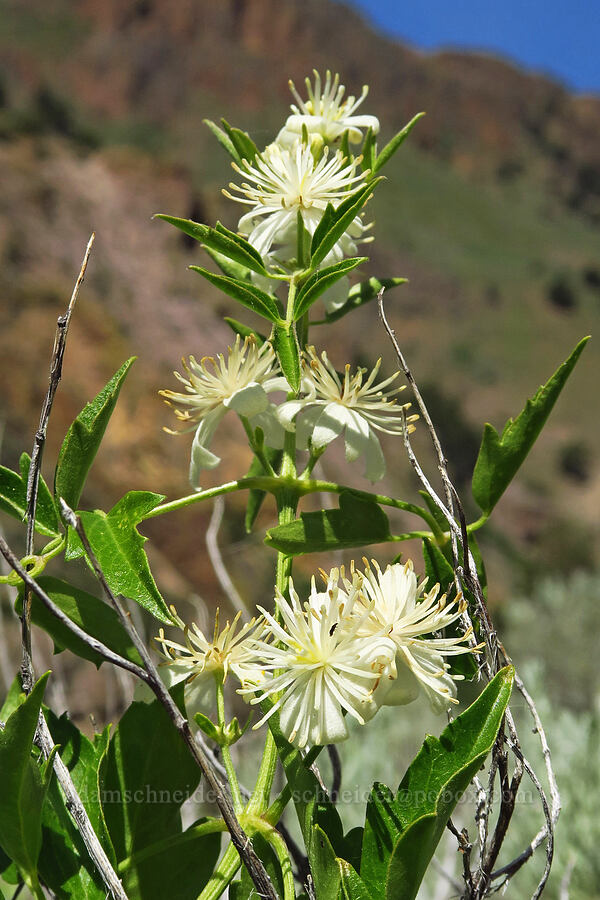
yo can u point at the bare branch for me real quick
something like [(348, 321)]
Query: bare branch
[(216, 558), (239, 838), (33, 479)]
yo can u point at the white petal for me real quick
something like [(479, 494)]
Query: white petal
[(329, 425), (248, 401), (272, 428), (202, 457)]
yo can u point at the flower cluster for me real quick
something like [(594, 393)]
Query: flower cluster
[(327, 406), (361, 643), (299, 175)]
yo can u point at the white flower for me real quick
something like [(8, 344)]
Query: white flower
[(390, 600), (285, 181), (326, 113), (358, 407), (241, 382), (199, 660), (320, 666)]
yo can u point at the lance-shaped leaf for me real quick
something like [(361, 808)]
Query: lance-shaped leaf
[(361, 293), (369, 151), (245, 147), (338, 221), (94, 616), (303, 242), (244, 331), (396, 142), (83, 439), (245, 293), (228, 267), (285, 344), (500, 456), (23, 787), (439, 571), (119, 547), (402, 832), (13, 498), (320, 281), (356, 523), (220, 240), (223, 138)]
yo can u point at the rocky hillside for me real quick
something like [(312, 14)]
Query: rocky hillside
[(493, 211)]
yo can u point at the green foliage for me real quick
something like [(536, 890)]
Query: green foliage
[(244, 146), (244, 889), (119, 547), (395, 143), (402, 831), (357, 522), (220, 240), (23, 787), (244, 331), (361, 293), (13, 498), (245, 293), (285, 344), (320, 281), (83, 439), (94, 616), (336, 221), (149, 773), (500, 456)]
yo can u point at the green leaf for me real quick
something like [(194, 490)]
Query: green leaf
[(13, 498), (247, 294), (64, 864), (256, 497), (338, 221), (437, 568), (361, 293), (23, 786), (228, 267), (357, 522), (119, 548), (93, 615), (285, 344), (148, 774), (221, 240), (402, 833), (245, 888), (12, 700), (245, 147), (437, 514), (244, 331), (500, 456), (303, 242), (83, 439), (369, 150), (320, 281), (398, 139), (353, 885), (223, 139)]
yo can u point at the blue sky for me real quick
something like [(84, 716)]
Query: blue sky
[(556, 37)]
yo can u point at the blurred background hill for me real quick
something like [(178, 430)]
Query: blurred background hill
[(491, 209)]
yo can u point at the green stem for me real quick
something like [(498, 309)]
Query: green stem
[(222, 876), (261, 482), (479, 523), (256, 449), (236, 795), (275, 810), (210, 826), (280, 849)]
